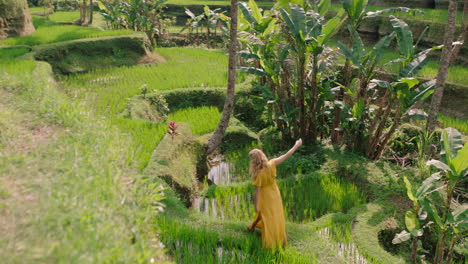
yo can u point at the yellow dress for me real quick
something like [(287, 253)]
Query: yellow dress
[(270, 215)]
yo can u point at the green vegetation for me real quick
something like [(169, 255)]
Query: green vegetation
[(11, 53), (73, 172), (97, 154), (201, 120), (105, 91), (319, 194), (50, 33)]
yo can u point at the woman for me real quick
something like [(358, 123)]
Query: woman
[(268, 202)]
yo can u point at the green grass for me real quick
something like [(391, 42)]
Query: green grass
[(47, 34), (65, 16), (39, 10), (106, 91), (201, 120), (11, 53), (82, 212), (457, 123)]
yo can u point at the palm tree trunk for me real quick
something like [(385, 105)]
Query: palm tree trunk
[(91, 7), (443, 66), (217, 136)]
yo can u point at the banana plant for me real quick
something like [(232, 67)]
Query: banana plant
[(452, 218), (308, 35)]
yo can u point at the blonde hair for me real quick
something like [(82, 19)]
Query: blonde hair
[(258, 161)]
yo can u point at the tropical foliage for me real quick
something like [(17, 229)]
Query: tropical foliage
[(138, 15), (438, 200), (287, 47)]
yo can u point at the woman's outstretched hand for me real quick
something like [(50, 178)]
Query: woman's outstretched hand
[(298, 143)]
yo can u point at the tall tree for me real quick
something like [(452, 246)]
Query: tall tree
[(443, 66), (217, 136)]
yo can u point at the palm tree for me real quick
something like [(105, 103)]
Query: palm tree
[(217, 136), (443, 66)]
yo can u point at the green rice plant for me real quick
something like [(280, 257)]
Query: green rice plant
[(305, 197), (201, 120), (191, 243), (65, 16), (46, 34), (457, 123)]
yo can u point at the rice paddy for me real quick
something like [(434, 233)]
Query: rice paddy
[(319, 194), (59, 33), (65, 16), (106, 91)]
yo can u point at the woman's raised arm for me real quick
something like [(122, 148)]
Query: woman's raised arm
[(288, 154)]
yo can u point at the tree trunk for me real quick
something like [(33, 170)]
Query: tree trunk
[(414, 249), (91, 9), (463, 36), (300, 98), (83, 12), (216, 138), (347, 74), (443, 66)]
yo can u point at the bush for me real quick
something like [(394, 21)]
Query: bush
[(249, 109), (194, 97)]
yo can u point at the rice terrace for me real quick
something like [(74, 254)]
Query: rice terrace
[(215, 131)]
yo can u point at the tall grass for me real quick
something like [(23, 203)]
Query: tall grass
[(305, 197), (457, 123), (191, 244), (47, 34), (81, 213), (105, 91)]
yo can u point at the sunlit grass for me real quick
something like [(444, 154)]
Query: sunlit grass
[(201, 120), (65, 16), (46, 34)]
